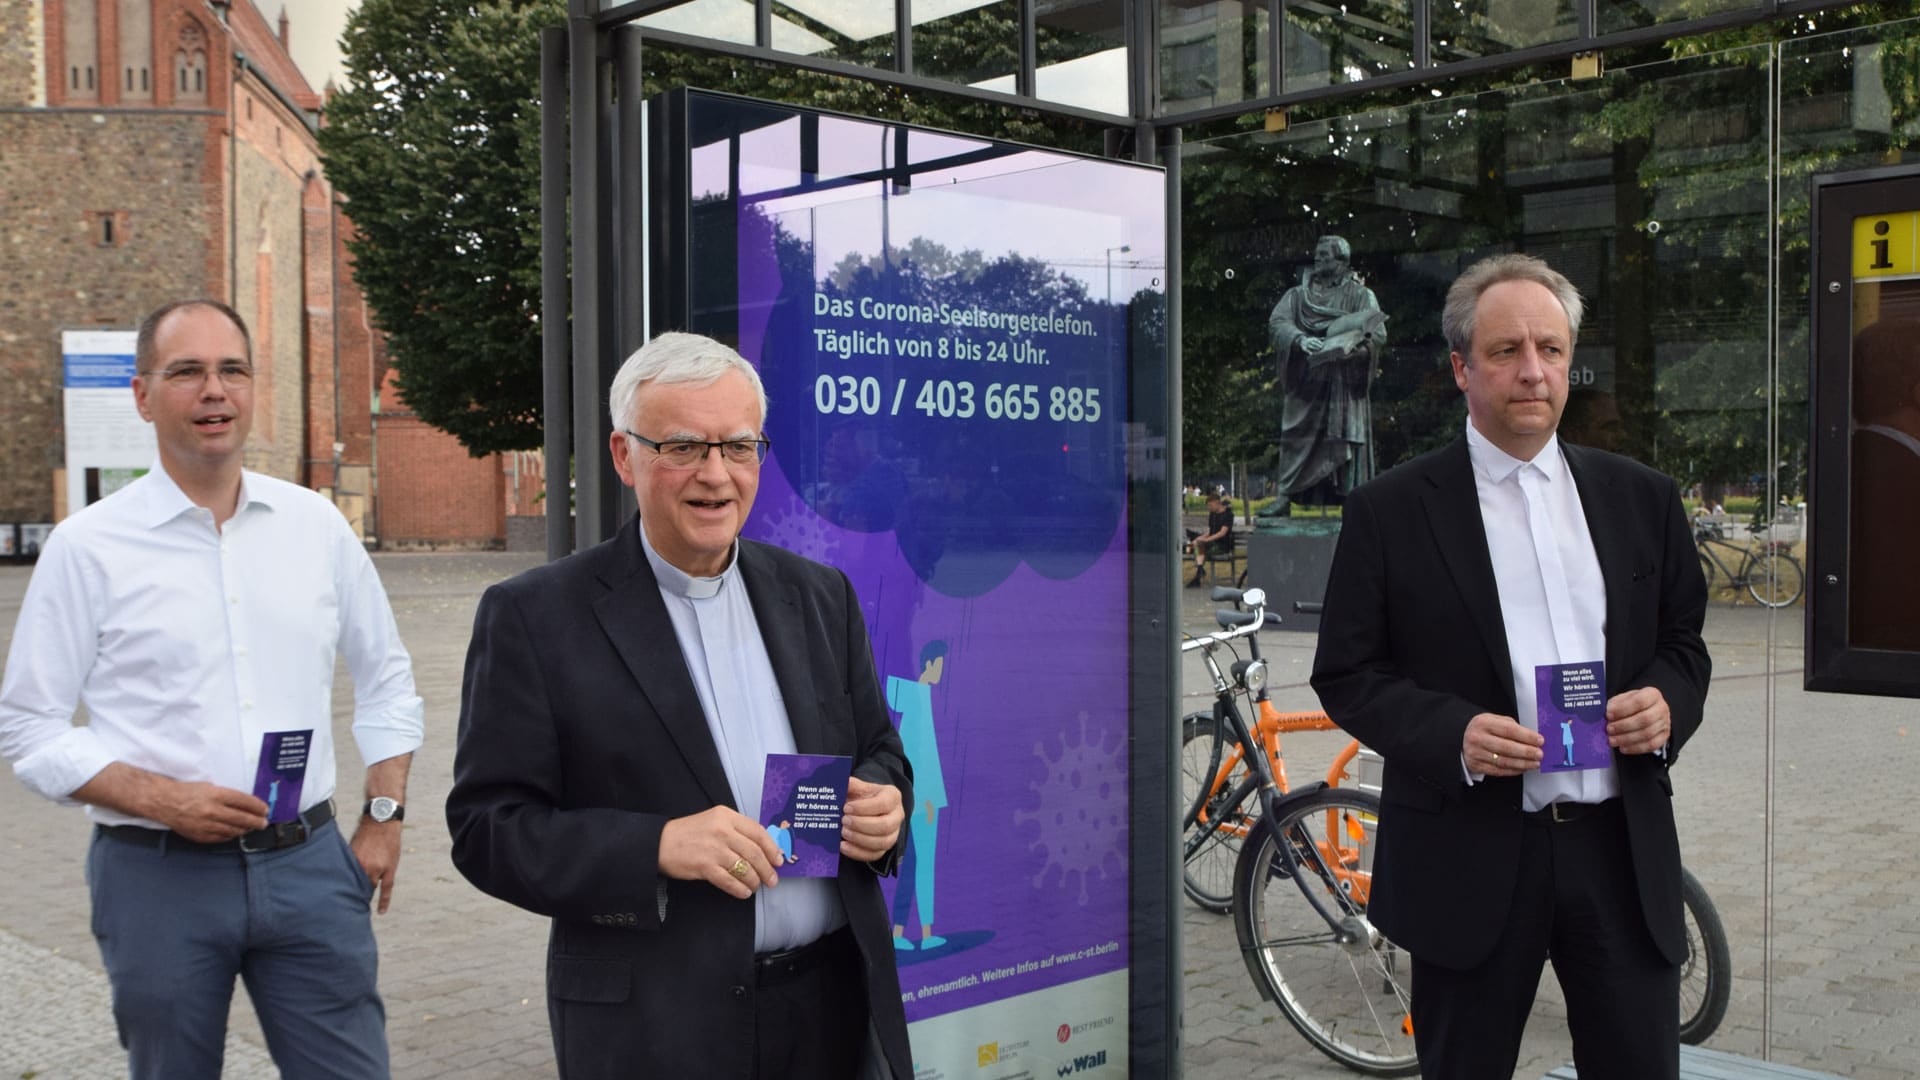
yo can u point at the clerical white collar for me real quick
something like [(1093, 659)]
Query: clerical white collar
[(674, 580)]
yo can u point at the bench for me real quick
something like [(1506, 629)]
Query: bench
[(1697, 1063)]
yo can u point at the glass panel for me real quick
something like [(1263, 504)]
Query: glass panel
[(967, 41), (1649, 188), (1326, 43), (1212, 52), (722, 20), (857, 31), (1465, 29), (1848, 101), (1081, 55), (1618, 15)]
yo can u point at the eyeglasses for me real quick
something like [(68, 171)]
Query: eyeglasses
[(692, 453), (189, 373)]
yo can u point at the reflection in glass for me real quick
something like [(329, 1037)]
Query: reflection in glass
[(1080, 53), (857, 31), (1212, 52), (1618, 15), (966, 41), (1326, 44), (1465, 29), (1647, 187)]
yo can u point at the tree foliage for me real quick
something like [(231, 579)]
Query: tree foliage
[(436, 148)]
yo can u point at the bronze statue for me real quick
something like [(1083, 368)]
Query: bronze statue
[(1327, 333)]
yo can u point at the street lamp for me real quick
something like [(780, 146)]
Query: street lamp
[(1123, 249)]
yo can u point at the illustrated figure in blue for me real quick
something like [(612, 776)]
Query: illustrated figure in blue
[(783, 835), (1566, 738), (273, 799), (913, 700)]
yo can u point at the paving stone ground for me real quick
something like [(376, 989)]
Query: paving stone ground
[(462, 973)]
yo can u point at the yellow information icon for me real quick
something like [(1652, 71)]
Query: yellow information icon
[(1886, 245)]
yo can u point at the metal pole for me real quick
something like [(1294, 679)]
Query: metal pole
[(1176, 488), (629, 182), (589, 225), (555, 372)]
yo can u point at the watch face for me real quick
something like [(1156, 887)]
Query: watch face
[(383, 808)]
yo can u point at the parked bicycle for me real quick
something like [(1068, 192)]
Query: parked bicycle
[(1298, 891), (1766, 569), (1302, 874)]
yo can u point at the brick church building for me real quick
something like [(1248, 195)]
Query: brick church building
[(157, 149)]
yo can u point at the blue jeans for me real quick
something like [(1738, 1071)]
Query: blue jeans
[(175, 926)]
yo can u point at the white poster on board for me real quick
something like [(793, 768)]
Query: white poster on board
[(108, 444)]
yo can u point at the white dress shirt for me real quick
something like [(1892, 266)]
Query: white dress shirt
[(720, 639), (1534, 635), (187, 642)]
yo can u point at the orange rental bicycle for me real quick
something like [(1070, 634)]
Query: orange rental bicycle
[(1295, 867)]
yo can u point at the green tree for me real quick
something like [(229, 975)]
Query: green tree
[(435, 147)]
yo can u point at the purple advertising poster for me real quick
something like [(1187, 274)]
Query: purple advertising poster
[(1573, 715), (945, 353)]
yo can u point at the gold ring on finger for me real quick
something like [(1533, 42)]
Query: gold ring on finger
[(739, 869), (1496, 757)]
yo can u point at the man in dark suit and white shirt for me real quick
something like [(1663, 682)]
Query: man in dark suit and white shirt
[(1456, 575), (618, 709)]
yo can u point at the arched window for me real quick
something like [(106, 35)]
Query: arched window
[(190, 75)]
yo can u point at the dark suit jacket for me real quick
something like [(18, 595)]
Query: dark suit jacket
[(581, 736), (1412, 646)]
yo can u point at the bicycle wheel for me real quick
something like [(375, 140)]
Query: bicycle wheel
[(1300, 907), (1214, 817), (1774, 578), (1706, 979)]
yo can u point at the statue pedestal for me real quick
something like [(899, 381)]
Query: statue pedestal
[(1290, 558)]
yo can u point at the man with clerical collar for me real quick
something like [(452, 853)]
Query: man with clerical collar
[(617, 713), (1480, 594)]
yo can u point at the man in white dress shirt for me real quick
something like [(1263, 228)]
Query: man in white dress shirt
[(1458, 577), (197, 614)]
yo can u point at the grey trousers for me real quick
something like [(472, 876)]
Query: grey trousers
[(175, 926)]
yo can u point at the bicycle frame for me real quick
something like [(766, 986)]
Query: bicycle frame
[(1268, 769)]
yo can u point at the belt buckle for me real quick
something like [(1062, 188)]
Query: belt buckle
[(1558, 817), (284, 834)]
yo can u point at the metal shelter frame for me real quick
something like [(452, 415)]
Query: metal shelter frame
[(594, 258)]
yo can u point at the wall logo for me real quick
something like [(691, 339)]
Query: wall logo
[(989, 1054), (1064, 1033), (1083, 1063)]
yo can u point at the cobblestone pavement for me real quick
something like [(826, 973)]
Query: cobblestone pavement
[(462, 973)]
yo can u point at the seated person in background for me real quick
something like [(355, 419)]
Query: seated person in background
[(1218, 537)]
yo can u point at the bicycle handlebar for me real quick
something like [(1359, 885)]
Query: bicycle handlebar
[(1239, 623)]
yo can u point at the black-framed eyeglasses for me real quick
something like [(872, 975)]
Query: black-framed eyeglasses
[(692, 453)]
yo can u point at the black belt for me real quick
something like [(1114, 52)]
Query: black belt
[(1563, 813), (271, 838), (786, 963)]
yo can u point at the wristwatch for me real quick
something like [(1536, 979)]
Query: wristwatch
[(382, 809)]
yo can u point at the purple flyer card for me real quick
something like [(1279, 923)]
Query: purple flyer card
[(1572, 702), (283, 768), (800, 806)]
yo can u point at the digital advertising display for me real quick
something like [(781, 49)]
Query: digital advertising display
[(948, 329)]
